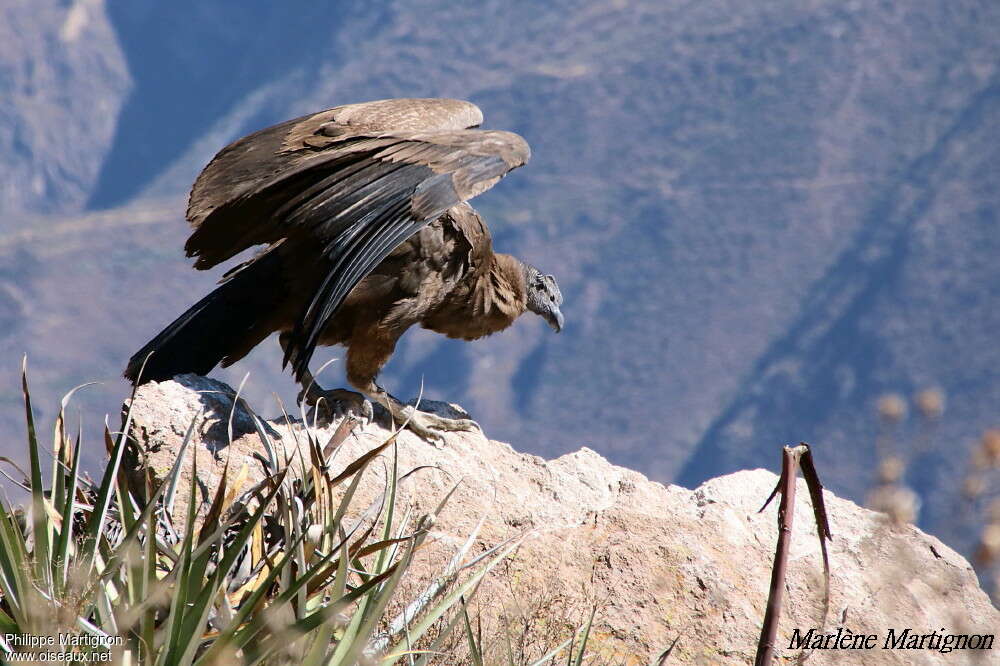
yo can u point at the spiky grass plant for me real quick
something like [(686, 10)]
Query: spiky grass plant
[(102, 570)]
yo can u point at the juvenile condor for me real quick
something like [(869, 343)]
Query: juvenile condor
[(362, 213)]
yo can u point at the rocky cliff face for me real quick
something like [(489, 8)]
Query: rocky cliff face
[(659, 561)]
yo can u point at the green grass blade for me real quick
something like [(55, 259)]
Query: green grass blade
[(475, 653), (132, 535), (312, 621), (147, 620), (554, 651), (475, 649), (320, 646), (237, 544), (586, 636), (198, 610), (390, 510)]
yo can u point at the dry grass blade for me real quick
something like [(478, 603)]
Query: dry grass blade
[(661, 659)]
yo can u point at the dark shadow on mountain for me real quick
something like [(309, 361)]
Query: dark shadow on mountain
[(793, 389), (529, 371), (191, 63)]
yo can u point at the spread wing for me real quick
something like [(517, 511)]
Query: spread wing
[(354, 181)]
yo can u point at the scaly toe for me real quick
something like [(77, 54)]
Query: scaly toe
[(433, 428), (337, 403)]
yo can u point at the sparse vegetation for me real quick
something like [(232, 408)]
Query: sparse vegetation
[(269, 575), (980, 485)]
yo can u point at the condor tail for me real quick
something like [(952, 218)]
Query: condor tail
[(220, 328)]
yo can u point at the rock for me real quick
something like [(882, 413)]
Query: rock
[(659, 561)]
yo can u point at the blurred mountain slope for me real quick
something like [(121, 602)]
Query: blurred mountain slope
[(762, 215), (63, 80)]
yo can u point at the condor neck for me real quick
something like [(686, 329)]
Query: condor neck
[(502, 289)]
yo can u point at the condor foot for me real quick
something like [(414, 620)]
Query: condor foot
[(335, 403), (431, 426)]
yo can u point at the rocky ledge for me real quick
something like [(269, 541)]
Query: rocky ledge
[(658, 561)]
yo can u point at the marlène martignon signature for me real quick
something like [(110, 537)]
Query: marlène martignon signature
[(894, 639)]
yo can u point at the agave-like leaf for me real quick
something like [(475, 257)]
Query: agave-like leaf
[(7, 626), (363, 461), (147, 622), (313, 620), (61, 445), (392, 484), (98, 516), (199, 605), (461, 590), (236, 486), (146, 517), (350, 646), (175, 473), (320, 645), (14, 567), (61, 561), (340, 581), (399, 624), (236, 405), (105, 611), (179, 603), (41, 528), (211, 522), (267, 443), (228, 637), (358, 639)]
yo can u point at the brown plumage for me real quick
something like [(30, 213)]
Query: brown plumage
[(362, 213)]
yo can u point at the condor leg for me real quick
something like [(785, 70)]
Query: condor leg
[(329, 402), (363, 364)]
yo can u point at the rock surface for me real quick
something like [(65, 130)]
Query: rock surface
[(660, 561)]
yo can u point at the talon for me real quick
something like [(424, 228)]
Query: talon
[(337, 403), (432, 427)]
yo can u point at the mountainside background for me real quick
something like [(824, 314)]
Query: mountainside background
[(763, 216)]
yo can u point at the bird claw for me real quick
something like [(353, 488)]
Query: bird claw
[(336, 403), (433, 427)]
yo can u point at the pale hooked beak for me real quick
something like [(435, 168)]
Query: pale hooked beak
[(555, 319)]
